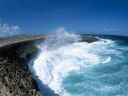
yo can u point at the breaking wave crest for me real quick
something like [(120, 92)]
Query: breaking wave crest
[(73, 68)]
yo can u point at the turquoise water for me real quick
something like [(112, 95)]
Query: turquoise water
[(82, 69), (108, 79)]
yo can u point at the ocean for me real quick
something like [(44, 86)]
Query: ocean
[(66, 67)]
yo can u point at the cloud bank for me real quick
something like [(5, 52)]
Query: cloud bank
[(6, 30)]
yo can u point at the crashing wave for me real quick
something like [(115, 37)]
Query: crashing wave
[(66, 65)]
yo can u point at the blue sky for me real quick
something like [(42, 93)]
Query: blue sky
[(81, 16)]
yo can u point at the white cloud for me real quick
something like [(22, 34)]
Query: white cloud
[(6, 30)]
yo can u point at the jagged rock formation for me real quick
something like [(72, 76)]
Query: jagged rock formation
[(15, 76)]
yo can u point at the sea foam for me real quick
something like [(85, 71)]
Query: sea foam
[(63, 58)]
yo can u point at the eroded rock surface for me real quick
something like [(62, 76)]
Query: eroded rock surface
[(15, 76)]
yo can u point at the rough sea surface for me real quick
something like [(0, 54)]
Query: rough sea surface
[(71, 68)]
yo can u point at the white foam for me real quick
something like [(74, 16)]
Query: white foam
[(107, 60), (52, 65)]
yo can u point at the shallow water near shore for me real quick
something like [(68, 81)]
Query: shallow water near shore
[(72, 68)]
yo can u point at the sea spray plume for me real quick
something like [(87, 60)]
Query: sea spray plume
[(49, 50), (79, 68), (6, 30), (50, 56), (60, 38)]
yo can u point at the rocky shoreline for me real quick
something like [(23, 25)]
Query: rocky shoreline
[(15, 77)]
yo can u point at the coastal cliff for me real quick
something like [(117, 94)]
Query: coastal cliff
[(15, 53), (15, 76)]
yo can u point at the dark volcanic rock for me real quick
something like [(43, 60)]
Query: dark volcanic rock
[(15, 76), (89, 39)]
